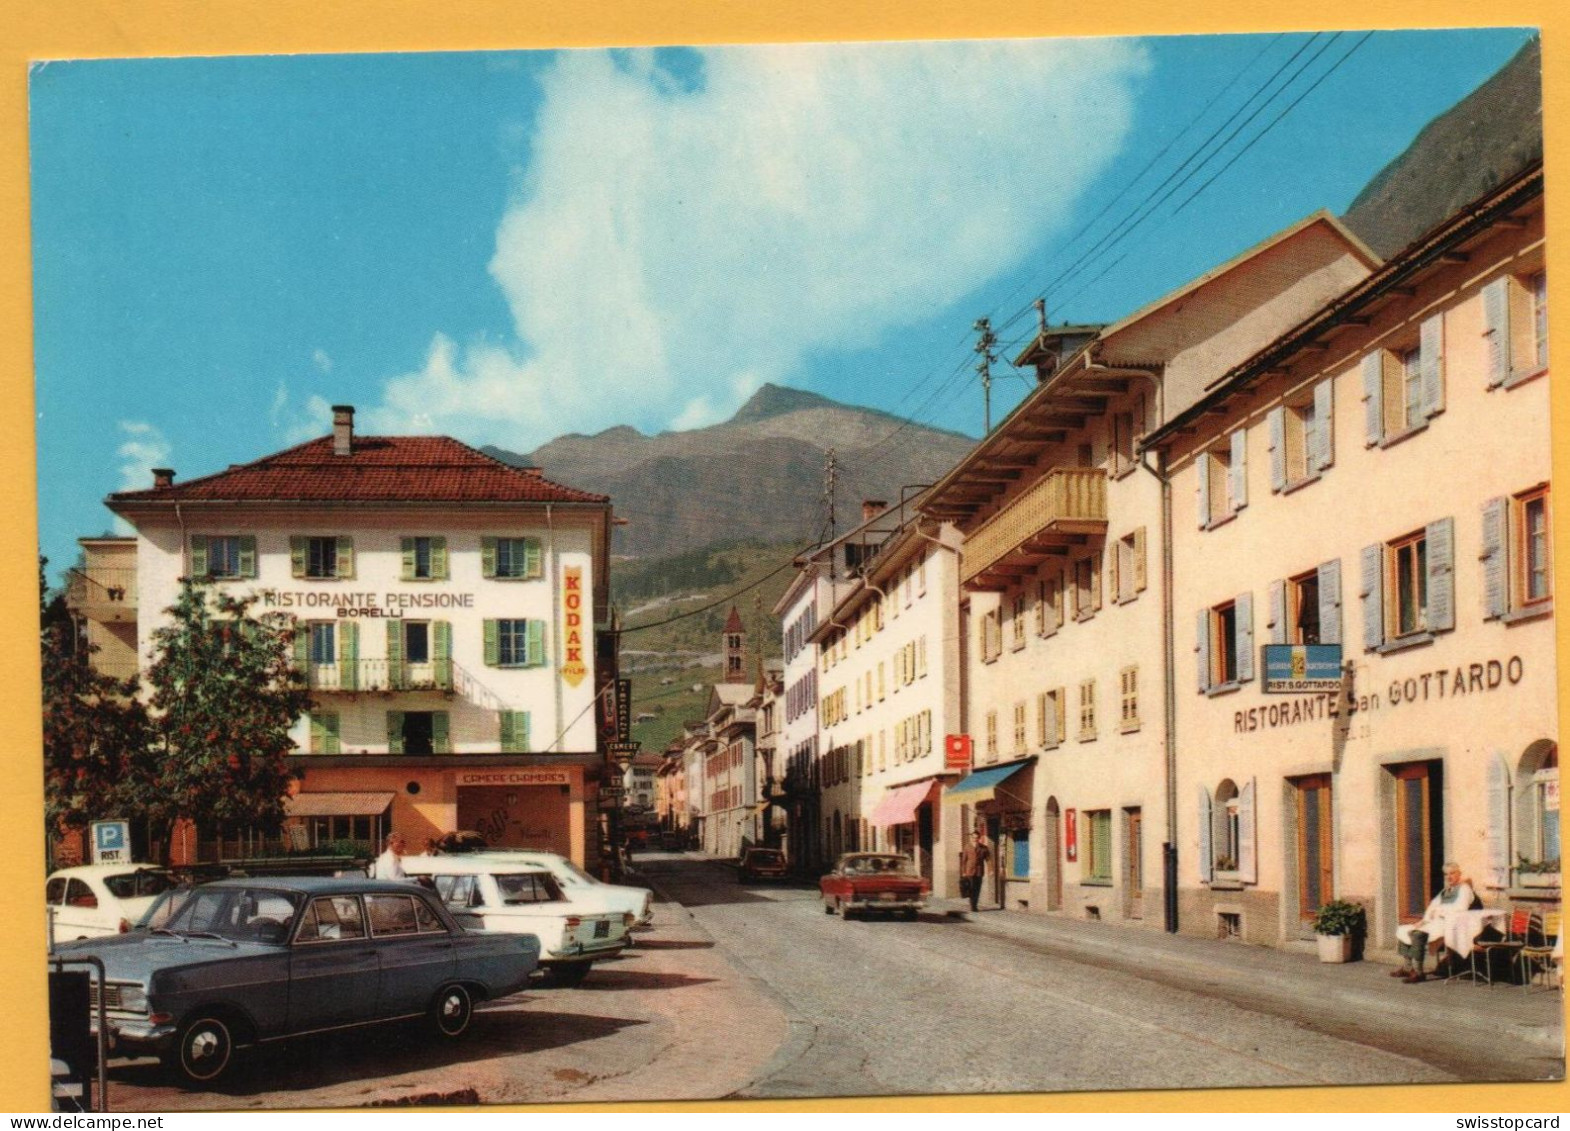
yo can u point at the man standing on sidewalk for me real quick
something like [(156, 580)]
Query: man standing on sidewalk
[(973, 867)]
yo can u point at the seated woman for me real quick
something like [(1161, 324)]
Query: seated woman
[(1412, 939)]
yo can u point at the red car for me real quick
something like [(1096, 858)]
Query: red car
[(874, 881), (762, 864)]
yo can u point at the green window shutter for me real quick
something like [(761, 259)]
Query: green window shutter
[(333, 729), (345, 556), (441, 639), (439, 559), (395, 655), (536, 643), (302, 645), (520, 729), (395, 732), (493, 648), (407, 545), (348, 656), (297, 546), (533, 558), (318, 734), (509, 732), (198, 555), (440, 743), (487, 558), (247, 555)]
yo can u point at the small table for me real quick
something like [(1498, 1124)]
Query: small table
[(1463, 927)]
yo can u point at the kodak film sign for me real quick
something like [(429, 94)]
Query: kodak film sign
[(573, 668)]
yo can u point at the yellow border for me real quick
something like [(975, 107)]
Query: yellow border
[(58, 29)]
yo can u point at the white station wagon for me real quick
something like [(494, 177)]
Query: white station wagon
[(492, 895), (577, 883), (92, 900)]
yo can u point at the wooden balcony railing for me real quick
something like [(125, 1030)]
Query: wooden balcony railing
[(1064, 505)]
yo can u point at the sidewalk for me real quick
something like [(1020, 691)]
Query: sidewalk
[(1284, 982)]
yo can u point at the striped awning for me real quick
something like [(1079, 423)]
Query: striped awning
[(899, 805), (337, 804), (980, 785)]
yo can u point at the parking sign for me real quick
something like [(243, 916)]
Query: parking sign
[(111, 842)]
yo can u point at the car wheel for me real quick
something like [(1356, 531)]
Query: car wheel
[(204, 1049), (451, 1011), (569, 974), (828, 906)]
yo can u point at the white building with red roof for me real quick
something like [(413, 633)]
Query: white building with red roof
[(448, 604)]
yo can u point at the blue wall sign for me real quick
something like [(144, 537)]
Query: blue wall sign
[(1291, 668)]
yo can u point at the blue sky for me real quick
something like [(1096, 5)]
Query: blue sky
[(506, 247)]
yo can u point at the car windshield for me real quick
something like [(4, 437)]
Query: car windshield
[(528, 887), (879, 865), (765, 856), (246, 913), (131, 885), (575, 875)]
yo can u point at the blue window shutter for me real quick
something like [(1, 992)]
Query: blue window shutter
[(1330, 602), (1245, 637), (1276, 420), (1440, 536), (1374, 396), (198, 555), (1373, 594), (1206, 857), (247, 555), (1202, 469), (1277, 624), (1496, 323), (1432, 362), (1496, 560), (1322, 451)]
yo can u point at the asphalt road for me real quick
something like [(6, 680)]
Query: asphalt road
[(891, 1007)]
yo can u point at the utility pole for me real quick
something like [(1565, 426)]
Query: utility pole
[(1041, 314), (984, 346), (830, 474)]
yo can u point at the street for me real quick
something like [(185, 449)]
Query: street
[(751, 991)]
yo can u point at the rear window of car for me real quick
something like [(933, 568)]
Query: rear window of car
[(332, 917), (131, 885), (528, 887), (766, 856), (391, 914)]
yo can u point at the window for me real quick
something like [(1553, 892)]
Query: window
[(1515, 327), (1128, 566), (1087, 587), (323, 638), (1128, 684), (1303, 614), (417, 732), (1019, 727), (991, 635), (1538, 807), (1409, 587), (1050, 720), (322, 557), (1419, 835), (1087, 710), (1222, 478), (1049, 604), (1226, 644), (1226, 833), (417, 641), (1098, 846), (1404, 386), (1517, 555), (1301, 437), (514, 643), (331, 917), (391, 914), (1315, 844), (325, 732), (511, 559), (992, 736), (1017, 621), (424, 559), (1306, 609), (223, 556)]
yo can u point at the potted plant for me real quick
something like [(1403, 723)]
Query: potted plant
[(1339, 925), (1537, 873)]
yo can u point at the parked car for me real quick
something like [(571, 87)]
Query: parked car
[(874, 881), (491, 895), (92, 900), (577, 883), (220, 966), (762, 864)]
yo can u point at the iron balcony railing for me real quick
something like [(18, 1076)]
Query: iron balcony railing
[(1064, 503), (102, 594), (380, 675)]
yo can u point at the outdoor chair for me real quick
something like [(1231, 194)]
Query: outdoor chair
[(1480, 961), (1538, 957)]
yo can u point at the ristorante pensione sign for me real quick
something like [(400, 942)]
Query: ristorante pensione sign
[(364, 604)]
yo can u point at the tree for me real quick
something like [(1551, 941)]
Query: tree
[(224, 693), (97, 756)]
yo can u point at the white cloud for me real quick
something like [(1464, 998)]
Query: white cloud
[(322, 362), (673, 249), (142, 449)]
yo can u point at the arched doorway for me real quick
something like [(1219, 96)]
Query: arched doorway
[(1052, 828)]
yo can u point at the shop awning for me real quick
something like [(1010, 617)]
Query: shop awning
[(899, 805), (337, 804), (980, 785)]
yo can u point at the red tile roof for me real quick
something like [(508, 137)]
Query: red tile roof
[(381, 469)]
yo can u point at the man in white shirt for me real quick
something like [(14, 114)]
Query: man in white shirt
[(1412, 938), (389, 865)]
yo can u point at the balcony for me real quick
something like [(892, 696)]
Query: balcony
[(1064, 508), (101, 594), (381, 675)]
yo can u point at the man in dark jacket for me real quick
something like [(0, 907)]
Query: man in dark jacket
[(973, 867)]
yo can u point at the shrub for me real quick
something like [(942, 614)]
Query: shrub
[(1341, 918)]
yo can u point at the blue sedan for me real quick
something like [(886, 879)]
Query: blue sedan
[(239, 962)]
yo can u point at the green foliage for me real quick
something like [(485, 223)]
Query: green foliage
[(1527, 867), (648, 592), (224, 695), (97, 755), (1340, 917)]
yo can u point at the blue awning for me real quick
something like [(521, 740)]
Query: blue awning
[(979, 785)]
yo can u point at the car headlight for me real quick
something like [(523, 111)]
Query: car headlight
[(133, 999)]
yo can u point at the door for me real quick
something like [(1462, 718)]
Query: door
[(1315, 844), (1419, 832), (1134, 862), (414, 953), (924, 839), (333, 968)]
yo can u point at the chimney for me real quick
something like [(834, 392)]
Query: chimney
[(163, 478), (871, 508), (343, 429)]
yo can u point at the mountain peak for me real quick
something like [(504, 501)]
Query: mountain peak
[(777, 400)]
